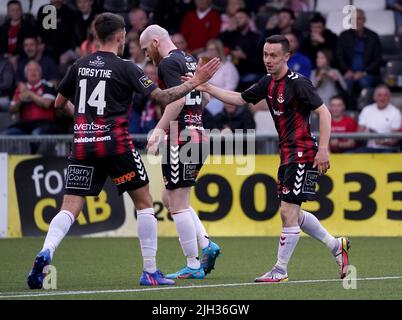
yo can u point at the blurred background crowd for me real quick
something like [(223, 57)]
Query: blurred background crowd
[(357, 72)]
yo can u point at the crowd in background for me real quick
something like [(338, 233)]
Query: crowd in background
[(342, 67)]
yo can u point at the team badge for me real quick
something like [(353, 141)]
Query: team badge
[(280, 98), (145, 81)]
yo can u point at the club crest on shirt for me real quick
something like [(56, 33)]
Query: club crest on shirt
[(280, 98)]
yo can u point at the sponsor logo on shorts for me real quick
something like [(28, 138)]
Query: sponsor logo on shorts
[(310, 182), (190, 171), (145, 81), (79, 177), (124, 178)]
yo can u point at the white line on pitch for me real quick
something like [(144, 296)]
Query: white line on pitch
[(222, 285)]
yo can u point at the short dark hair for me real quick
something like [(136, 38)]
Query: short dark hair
[(337, 97), (318, 18), (277, 38), (14, 2), (288, 11), (107, 24)]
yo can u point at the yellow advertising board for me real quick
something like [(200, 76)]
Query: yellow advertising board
[(360, 196)]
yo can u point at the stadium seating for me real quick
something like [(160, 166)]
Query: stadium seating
[(365, 98), (381, 21), (36, 5), (325, 6), (393, 74), (302, 21), (264, 123), (391, 47), (334, 22), (370, 5)]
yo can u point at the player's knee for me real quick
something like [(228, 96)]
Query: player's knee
[(165, 199), (288, 218), (73, 204)]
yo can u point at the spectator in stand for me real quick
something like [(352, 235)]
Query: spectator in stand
[(145, 114), (90, 44), (341, 123), (318, 39), (57, 41), (200, 25), (281, 23), (180, 42), (227, 77), (228, 18), (233, 118), (170, 13), (83, 20), (33, 101), (298, 62), (14, 29), (7, 82), (32, 51), (245, 53), (328, 81), (359, 56), (138, 20), (136, 54), (396, 5), (380, 117)]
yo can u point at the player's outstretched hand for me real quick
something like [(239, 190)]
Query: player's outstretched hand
[(321, 161), (201, 87), (204, 72)]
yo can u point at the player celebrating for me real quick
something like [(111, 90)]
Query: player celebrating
[(179, 173), (101, 86), (291, 97)]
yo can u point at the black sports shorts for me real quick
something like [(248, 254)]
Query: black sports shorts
[(87, 177), (297, 182)]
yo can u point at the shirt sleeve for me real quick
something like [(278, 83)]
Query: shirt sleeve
[(363, 118), (139, 82), (49, 92), (396, 121), (68, 83), (306, 94), (170, 72), (256, 92)]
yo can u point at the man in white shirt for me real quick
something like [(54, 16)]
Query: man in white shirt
[(380, 117)]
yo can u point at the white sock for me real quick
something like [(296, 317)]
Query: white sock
[(58, 229), (202, 235), (312, 226), (187, 236), (147, 230), (287, 243)]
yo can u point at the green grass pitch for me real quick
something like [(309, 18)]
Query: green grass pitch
[(106, 264)]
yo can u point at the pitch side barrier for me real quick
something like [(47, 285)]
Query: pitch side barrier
[(59, 145), (235, 195)]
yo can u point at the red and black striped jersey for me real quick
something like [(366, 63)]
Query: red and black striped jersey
[(176, 64), (102, 86), (290, 101)]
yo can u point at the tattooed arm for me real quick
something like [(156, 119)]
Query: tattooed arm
[(203, 74)]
